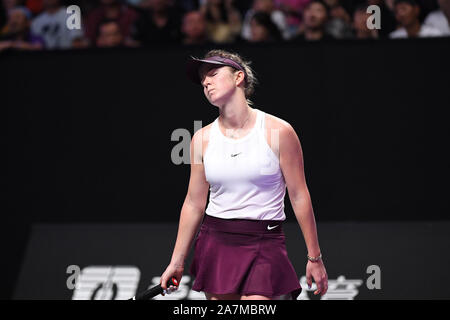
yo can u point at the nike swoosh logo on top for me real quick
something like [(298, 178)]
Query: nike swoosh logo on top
[(270, 228), (235, 154)]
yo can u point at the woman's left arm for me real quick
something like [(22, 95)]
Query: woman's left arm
[(291, 164)]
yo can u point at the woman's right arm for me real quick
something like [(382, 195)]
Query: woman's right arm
[(191, 212)]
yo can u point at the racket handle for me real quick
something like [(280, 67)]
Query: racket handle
[(154, 291)]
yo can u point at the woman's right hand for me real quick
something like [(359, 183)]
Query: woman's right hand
[(172, 270)]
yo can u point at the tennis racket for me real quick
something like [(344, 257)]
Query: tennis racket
[(154, 291)]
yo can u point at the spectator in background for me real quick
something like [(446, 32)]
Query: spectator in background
[(445, 7), (110, 10), (3, 16), (17, 34), (315, 17), (159, 22), (9, 4), (194, 28), (267, 6), (223, 21), (389, 4), (80, 42), (109, 34), (438, 20), (5, 6), (339, 22), (136, 3), (51, 26), (360, 29), (35, 6), (263, 29), (407, 14), (189, 5), (293, 10)]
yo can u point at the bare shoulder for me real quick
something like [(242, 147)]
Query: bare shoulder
[(274, 122), (203, 136), (203, 132), (277, 128)]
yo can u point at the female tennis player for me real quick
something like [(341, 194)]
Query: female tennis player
[(246, 158)]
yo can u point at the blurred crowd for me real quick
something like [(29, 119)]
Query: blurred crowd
[(42, 24)]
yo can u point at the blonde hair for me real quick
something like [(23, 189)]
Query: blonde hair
[(250, 79)]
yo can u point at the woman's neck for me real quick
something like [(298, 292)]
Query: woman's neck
[(235, 116)]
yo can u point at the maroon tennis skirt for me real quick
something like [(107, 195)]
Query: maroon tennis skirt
[(247, 257)]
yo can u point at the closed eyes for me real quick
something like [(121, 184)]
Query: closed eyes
[(211, 76)]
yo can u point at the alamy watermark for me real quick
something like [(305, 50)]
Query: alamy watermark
[(74, 272), (121, 282), (374, 280), (374, 20), (74, 19)]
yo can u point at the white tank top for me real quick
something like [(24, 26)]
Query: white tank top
[(244, 174)]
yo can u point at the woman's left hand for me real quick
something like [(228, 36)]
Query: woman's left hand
[(316, 271)]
